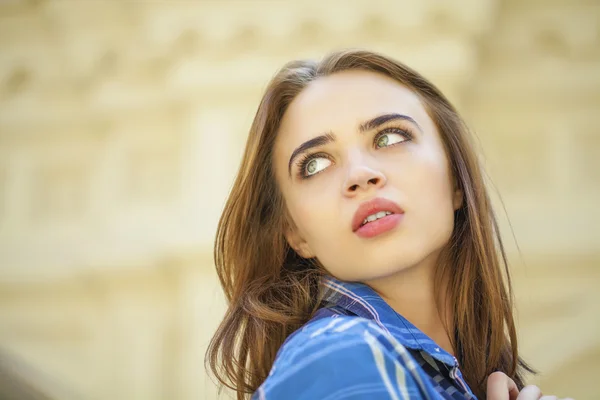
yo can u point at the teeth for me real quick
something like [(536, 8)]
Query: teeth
[(381, 214), (378, 215)]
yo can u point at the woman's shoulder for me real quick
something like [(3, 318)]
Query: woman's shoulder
[(327, 333), (336, 356)]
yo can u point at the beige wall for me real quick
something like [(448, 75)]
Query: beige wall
[(122, 125)]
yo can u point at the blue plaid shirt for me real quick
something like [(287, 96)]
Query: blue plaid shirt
[(357, 347)]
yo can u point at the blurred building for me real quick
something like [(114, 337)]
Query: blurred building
[(121, 128)]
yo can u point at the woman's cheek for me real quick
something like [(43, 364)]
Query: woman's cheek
[(309, 211)]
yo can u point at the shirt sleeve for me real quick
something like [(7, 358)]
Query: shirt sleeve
[(348, 360)]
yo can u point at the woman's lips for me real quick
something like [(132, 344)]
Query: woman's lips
[(378, 226)]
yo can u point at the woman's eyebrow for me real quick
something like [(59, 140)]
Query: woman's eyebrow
[(309, 144), (382, 119)]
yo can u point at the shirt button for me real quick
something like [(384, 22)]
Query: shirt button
[(437, 349)]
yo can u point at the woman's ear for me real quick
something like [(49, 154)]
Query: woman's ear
[(297, 242), (457, 197)]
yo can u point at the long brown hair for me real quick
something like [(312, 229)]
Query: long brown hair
[(272, 291)]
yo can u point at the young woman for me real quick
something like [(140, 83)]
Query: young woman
[(358, 249)]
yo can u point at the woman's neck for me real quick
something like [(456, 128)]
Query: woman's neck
[(411, 294)]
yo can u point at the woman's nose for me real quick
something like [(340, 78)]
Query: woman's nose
[(363, 178)]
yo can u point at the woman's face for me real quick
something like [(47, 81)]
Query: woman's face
[(354, 144)]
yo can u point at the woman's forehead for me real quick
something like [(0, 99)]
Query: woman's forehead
[(344, 100)]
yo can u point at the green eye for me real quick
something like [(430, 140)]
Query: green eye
[(316, 165), (383, 141), (389, 139)]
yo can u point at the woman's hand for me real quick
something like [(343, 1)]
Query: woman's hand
[(501, 387)]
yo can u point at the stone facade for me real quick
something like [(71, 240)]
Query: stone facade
[(122, 125)]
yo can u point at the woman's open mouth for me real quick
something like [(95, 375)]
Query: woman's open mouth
[(379, 225), (375, 217)]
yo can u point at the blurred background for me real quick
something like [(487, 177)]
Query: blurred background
[(122, 123)]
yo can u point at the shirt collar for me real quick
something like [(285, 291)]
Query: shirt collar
[(362, 300)]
